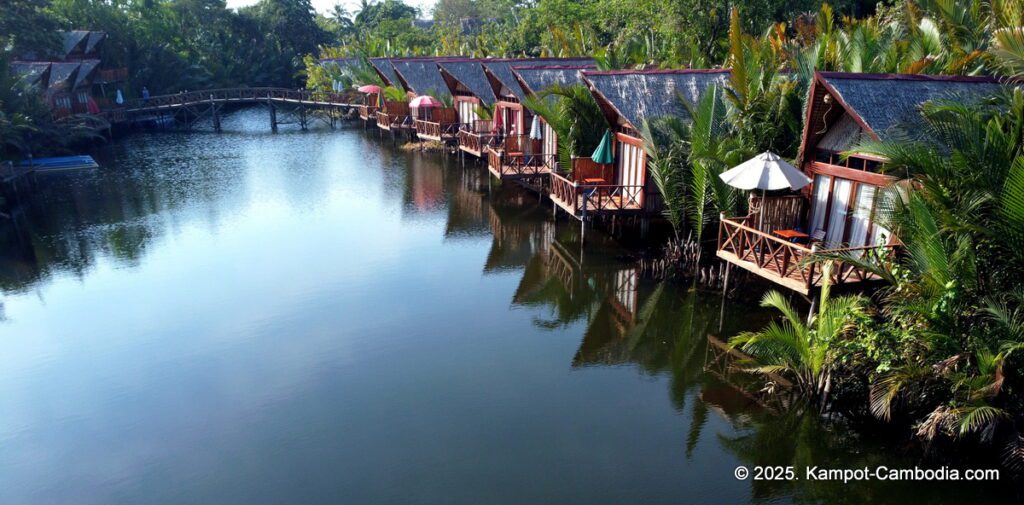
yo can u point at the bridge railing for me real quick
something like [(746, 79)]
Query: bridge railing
[(234, 95)]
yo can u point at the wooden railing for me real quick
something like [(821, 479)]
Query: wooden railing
[(112, 74), (585, 168), (787, 262), (476, 143), (580, 198), (235, 95), (367, 111), (388, 121), (436, 130), (503, 164), (481, 126)]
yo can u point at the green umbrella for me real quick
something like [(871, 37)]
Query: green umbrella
[(603, 153)]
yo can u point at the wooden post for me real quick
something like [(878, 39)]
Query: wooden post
[(215, 112), (273, 114)]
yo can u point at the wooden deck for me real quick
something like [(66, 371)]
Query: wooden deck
[(783, 262), (390, 122), (437, 131), (506, 165), (367, 112), (581, 200)]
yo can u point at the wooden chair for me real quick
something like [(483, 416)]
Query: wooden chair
[(817, 237)]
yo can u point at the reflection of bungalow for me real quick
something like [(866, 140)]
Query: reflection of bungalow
[(419, 77), (470, 91), (839, 215), (628, 98)]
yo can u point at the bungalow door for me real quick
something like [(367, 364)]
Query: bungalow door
[(630, 174)]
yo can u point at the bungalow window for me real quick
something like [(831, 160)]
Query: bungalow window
[(838, 212), (845, 211)]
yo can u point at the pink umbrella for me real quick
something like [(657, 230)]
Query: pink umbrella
[(369, 88), (497, 126), (425, 101)]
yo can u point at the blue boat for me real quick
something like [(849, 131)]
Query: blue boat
[(59, 163)]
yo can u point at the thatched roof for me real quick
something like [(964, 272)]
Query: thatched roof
[(633, 96), (33, 73), (885, 101), (341, 63), (384, 68), (503, 78), (62, 75), (420, 76), (537, 79), (470, 74), (95, 39), (73, 39), (86, 71)]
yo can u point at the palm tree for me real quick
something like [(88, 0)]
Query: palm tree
[(685, 158), (574, 115), (804, 352)]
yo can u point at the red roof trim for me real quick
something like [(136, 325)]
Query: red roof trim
[(553, 67), (662, 71), (907, 77)]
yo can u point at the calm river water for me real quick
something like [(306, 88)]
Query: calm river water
[(319, 317)]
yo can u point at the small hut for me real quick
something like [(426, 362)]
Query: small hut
[(836, 213)]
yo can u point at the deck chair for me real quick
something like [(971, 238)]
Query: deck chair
[(818, 237)]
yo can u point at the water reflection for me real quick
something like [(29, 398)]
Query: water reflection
[(319, 317)]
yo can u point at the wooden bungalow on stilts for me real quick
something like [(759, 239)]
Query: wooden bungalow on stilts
[(627, 98), (419, 77), (391, 115), (836, 214), (470, 91), (511, 119), (544, 151)]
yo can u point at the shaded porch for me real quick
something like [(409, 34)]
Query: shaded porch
[(477, 137), (777, 249), (518, 157), (589, 189)]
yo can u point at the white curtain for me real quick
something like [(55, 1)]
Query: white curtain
[(880, 235), (818, 204), (837, 217), (862, 206)]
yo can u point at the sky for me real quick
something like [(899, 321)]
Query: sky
[(327, 5)]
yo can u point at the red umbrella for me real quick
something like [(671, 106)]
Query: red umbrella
[(369, 88), (425, 101), (497, 123)]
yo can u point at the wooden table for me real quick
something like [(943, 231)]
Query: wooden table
[(791, 235)]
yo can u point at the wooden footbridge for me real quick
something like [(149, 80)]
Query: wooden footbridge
[(285, 106)]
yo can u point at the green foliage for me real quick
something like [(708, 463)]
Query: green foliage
[(573, 113), (804, 352)]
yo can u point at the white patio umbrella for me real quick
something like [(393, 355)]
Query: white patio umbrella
[(535, 131), (766, 171)]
